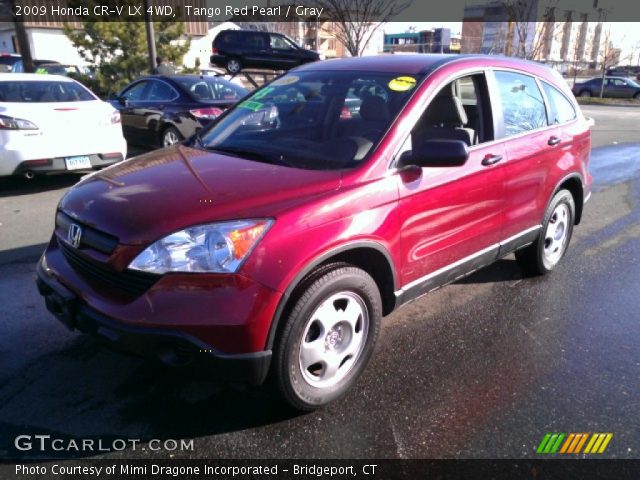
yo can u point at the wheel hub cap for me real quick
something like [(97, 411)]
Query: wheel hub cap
[(333, 339), (556, 235)]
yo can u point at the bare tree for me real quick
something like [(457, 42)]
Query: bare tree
[(355, 21), (525, 31), (610, 57)]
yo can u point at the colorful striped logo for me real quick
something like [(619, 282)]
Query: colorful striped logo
[(573, 443)]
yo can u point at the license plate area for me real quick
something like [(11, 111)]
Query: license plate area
[(77, 163)]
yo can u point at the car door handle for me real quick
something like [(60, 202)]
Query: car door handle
[(491, 160), (553, 141)]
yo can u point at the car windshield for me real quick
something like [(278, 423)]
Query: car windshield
[(42, 91), (207, 89), (321, 120), (633, 83)]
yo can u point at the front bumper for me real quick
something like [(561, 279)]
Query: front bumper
[(171, 345)]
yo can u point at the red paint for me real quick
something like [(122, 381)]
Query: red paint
[(425, 220)]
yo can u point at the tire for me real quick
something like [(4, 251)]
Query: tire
[(170, 136), (546, 252), (233, 66), (636, 96), (585, 93), (338, 344)]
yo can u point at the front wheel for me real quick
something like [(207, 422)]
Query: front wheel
[(546, 252), (328, 337), (585, 93), (636, 96)]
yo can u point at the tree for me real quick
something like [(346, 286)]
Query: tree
[(529, 35), (610, 57), (117, 51), (355, 21)]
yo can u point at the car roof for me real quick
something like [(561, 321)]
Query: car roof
[(415, 64), (31, 77)]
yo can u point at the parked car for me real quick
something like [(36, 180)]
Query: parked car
[(278, 238), (12, 63), (53, 124), (238, 49), (614, 87), (625, 71), (60, 69), (163, 110)]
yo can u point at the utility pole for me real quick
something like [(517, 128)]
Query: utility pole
[(151, 40), (23, 40)]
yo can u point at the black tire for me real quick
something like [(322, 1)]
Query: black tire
[(636, 96), (585, 93), (330, 281), (170, 133), (233, 65), (535, 259)]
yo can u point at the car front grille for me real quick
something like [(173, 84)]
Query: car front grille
[(129, 281), (91, 238)]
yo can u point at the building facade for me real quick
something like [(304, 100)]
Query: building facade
[(547, 32)]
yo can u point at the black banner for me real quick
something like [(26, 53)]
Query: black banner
[(334, 469), (70, 11)]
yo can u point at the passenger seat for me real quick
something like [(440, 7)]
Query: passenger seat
[(444, 119)]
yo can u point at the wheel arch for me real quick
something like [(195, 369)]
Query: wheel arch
[(573, 183), (370, 256)]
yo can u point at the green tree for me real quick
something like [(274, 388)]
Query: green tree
[(117, 50)]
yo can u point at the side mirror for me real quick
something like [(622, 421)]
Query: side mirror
[(437, 153)]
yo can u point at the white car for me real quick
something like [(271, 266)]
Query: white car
[(51, 123)]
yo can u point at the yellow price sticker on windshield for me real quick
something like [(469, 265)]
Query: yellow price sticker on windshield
[(402, 84), (288, 80)]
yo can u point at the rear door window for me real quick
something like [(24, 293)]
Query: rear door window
[(135, 93), (523, 108), (161, 92)]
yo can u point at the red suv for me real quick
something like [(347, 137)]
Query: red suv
[(278, 238)]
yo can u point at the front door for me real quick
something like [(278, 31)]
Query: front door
[(451, 217)]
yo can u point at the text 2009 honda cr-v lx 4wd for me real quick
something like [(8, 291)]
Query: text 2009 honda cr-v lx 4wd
[(278, 238)]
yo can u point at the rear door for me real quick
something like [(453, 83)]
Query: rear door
[(533, 145), (149, 112), (257, 51)]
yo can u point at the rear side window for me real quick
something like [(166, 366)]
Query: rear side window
[(523, 109), (560, 109), (43, 92)]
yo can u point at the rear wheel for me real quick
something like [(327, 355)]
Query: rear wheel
[(328, 337), (233, 66), (171, 136), (636, 96), (584, 93), (546, 252)]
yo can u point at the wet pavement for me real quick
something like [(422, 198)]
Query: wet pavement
[(482, 368)]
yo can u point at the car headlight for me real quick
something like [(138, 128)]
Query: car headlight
[(214, 248)]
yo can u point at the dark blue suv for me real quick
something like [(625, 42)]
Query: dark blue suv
[(237, 49)]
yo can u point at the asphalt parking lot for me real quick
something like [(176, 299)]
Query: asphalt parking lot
[(482, 368)]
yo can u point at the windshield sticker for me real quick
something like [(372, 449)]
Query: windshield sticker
[(250, 105), (402, 84), (288, 80), (263, 93)]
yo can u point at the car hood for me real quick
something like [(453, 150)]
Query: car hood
[(145, 198)]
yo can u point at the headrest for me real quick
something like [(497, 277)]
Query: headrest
[(446, 109), (201, 91), (374, 109)]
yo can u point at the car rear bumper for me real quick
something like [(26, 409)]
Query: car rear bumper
[(21, 151), (58, 165), (173, 348)]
